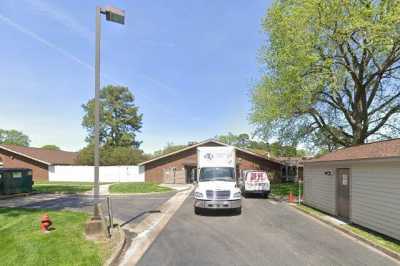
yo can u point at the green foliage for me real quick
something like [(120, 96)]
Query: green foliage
[(331, 72), (51, 147), (13, 137), (138, 187), (171, 147), (283, 189), (280, 150), (275, 149), (111, 155), (62, 187), (241, 140), (119, 117), (22, 243)]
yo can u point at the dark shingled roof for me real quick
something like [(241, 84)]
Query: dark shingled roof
[(43, 155), (373, 150)]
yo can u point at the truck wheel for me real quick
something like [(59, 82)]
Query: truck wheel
[(266, 195), (244, 194), (197, 211)]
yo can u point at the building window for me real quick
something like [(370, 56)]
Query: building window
[(1, 162), (17, 174)]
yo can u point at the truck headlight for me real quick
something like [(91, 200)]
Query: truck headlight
[(236, 195), (198, 195)]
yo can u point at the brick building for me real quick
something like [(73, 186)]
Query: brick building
[(37, 159), (180, 166)]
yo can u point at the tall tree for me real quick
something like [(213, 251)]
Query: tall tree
[(51, 147), (170, 147), (241, 140), (261, 147), (13, 137), (332, 71), (112, 155), (120, 119)]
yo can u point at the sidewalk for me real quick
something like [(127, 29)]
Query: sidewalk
[(178, 187), (103, 190), (147, 231)]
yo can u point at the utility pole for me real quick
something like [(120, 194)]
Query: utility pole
[(299, 181), (97, 115), (115, 15)]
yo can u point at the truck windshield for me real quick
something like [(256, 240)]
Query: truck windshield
[(216, 173)]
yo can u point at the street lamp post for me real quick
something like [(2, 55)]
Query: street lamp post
[(115, 15)]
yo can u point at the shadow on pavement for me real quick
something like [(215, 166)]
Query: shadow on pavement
[(138, 216), (70, 202), (254, 196), (219, 213)]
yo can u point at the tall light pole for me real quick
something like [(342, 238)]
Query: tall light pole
[(115, 15)]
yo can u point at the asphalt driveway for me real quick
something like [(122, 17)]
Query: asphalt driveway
[(128, 210), (267, 233)]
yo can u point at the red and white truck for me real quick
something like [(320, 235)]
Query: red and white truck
[(255, 182)]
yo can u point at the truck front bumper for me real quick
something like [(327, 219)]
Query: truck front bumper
[(218, 204)]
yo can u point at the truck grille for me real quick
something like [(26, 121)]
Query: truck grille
[(224, 194), (218, 195), (210, 194)]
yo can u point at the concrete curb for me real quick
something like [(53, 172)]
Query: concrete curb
[(117, 252), (150, 193), (148, 230), (3, 197), (387, 251), (140, 194)]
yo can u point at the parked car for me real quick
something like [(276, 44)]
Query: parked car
[(255, 182)]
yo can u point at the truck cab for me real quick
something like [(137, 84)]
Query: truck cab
[(216, 186)]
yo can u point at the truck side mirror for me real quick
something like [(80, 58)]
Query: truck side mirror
[(193, 175)]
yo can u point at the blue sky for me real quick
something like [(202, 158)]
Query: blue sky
[(190, 64)]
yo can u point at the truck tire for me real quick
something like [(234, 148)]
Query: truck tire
[(197, 211), (266, 195)]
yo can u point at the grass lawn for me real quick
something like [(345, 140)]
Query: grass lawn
[(374, 237), (283, 189), (310, 210), (22, 243), (137, 187), (62, 187)]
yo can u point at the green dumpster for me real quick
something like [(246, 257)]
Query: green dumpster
[(15, 180)]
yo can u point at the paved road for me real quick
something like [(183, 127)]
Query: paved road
[(265, 234), (129, 210)]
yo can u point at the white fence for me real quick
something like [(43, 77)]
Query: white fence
[(77, 173)]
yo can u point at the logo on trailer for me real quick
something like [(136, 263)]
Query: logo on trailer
[(208, 156)]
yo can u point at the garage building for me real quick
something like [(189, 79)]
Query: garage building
[(179, 167), (37, 159), (360, 184)]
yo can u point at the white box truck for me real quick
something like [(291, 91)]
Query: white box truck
[(216, 186)]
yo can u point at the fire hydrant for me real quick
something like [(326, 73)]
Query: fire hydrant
[(45, 223)]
